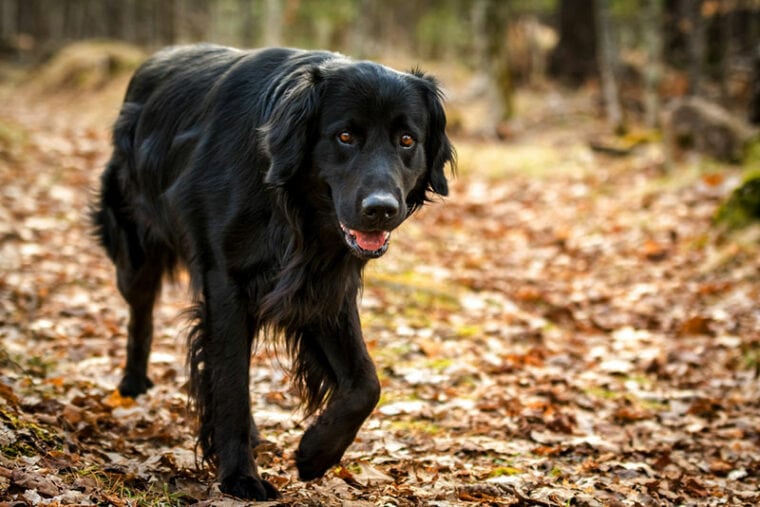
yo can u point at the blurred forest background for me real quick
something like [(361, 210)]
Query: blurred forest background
[(640, 51), (572, 326), (685, 71)]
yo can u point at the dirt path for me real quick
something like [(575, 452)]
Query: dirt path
[(577, 335)]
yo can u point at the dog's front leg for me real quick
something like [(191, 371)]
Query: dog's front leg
[(356, 392), (220, 360)]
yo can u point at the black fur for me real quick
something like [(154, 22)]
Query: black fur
[(274, 176)]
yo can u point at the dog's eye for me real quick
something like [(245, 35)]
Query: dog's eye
[(406, 141), (346, 137)]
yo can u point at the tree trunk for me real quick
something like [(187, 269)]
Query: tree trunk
[(167, 26), (248, 23), (607, 59), (692, 11), (273, 21), (754, 104), (489, 27), (573, 60), (8, 22), (653, 72), (361, 35)]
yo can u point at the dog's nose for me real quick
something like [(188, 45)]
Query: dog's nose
[(380, 206)]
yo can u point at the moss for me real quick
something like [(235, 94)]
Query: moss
[(752, 157), (30, 439), (134, 490), (751, 356), (13, 140), (599, 392), (469, 331), (505, 470), (440, 364), (742, 207)]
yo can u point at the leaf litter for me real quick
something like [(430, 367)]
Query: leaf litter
[(582, 336)]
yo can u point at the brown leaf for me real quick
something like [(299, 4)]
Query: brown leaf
[(631, 414), (71, 415), (695, 488), (654, 251), (546, 450), (345, 474), (7, 393), (704, 407), (46, 486), (713, 179), (115, 400), (721, 467), (695, 325)]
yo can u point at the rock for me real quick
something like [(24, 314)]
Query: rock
[(698, 124)]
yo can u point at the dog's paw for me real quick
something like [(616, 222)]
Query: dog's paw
[(249, 488), (312, 462), (308, 470), (132, 386)]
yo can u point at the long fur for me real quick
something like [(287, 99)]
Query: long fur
[(222, 162)]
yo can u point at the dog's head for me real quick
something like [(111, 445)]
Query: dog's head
[(374, 137)]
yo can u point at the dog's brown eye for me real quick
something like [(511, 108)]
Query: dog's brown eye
[(346, 137), (406, 141)]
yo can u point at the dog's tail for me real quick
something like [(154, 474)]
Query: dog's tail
[(110, 210), (200, 383)]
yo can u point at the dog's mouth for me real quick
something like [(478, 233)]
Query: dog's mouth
[(367, 244)]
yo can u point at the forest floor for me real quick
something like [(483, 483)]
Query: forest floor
[(566, 328)]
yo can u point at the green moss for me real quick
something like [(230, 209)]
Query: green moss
[(440, 364), (469, 331), (605, 394), (30, 439), (751, 356), (13, 140), (752, 157), (505, 470), (135, 491), (742, 207)]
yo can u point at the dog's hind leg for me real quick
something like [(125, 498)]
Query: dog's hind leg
[(138, 268), (139, 285), (138, 272)]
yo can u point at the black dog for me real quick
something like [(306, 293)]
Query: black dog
[(274, 176)]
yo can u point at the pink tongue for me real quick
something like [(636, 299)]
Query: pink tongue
[(370, 241)]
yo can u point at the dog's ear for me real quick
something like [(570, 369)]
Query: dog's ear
[(438, 149), (289, 131)]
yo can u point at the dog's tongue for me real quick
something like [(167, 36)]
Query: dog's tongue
[(370, 241)]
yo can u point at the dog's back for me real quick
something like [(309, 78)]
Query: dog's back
[(172, 99)]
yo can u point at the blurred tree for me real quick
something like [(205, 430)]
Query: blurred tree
[(490, 19), (754, 104), (691, 11), (360, 38), (607, 59), (652, 34), (574, 59), (193, 20), (248, 23), (273, 22), (707, 45)]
